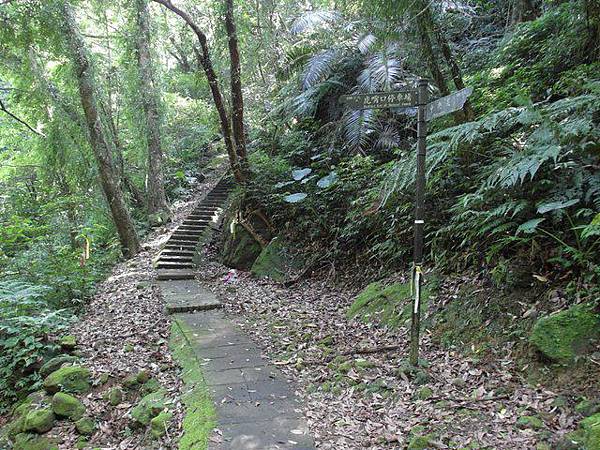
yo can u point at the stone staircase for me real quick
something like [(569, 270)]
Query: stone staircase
[(176, 261)]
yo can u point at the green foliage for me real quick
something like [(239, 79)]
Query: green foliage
[(26, 323)]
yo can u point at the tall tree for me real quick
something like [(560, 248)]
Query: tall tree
[(205, 61), (98, 137), (158, 209)]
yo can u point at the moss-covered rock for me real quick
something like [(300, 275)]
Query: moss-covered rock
[(530, 422), (142, 376), (76, 379), (560, 337), (160, 424), (150, 386), (81, 443), (65, 405), (114, 396), (148, 408), (56, 363), (68, 342), (85, 426), (26, 441), (424, 393), (420, 442), (276, 261), (39, 420), (240, 249), (389, 305), (588, 407)]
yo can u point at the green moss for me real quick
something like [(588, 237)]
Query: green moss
[(25, 441), (152, 385), (276, 262), (39, 420), (530, 422), (86, 426), (65, 405), (389, 305), (56, 363), (68, 342), (240, 249), (200, 415), (114, 396), (425, 393), (148, 408), (160, 424), (420, 442), (561, 336), (588, 407), (69, 379)]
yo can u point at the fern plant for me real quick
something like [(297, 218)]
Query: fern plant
[(26, 322)]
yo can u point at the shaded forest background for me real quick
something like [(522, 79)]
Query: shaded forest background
[(513, 191)]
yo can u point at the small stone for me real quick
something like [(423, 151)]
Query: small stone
[(420, 443), (69, 379), (152, 385), (56, 363), (160, 423), (142, 376), (103, 379), (148, 408), (82, 443), (459, 382), (130, 382), (128, 348), (85, 426), (68, 342), (39, 420), (115, 396), (65, 405), (425, 393), (530, 422)]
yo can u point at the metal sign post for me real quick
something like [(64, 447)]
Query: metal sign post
[(419, 227), (426, 111)]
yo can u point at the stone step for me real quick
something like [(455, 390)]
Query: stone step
[(181, 245), (168, 258), (183, 242), (186, 237), (186, 234), (174, 265), (169, 253), (174, 274)]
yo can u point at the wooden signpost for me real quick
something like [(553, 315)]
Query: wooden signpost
[(426, 111)]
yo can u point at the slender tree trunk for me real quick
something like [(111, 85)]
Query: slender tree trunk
[(158, 209), (99, 143), (237, 99), (205, 62)]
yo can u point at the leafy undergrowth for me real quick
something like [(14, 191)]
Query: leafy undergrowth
[(374, 400), (200, 415)]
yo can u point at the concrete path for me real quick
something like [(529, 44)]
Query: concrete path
[(256, 406)]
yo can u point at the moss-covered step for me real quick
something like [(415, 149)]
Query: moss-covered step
[(562, 336)]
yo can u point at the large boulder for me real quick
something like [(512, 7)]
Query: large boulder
[(389, 305), (65, 405), (240, 249), (56, 363), (561, 336), (75, 379), (26, 441), (277, 262), (39, 420)]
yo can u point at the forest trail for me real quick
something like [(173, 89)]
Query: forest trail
[(255, 405)]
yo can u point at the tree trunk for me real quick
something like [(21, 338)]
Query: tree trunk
[(237, 99), (158, 210), (205, 62), (592, 8), (99, 143), (522, 11)]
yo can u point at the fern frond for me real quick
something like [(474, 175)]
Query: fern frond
[(320, 66), (311, 20)]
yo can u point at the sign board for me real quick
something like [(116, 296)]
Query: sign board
[(448, 104), (426, 111), (378, 100)]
